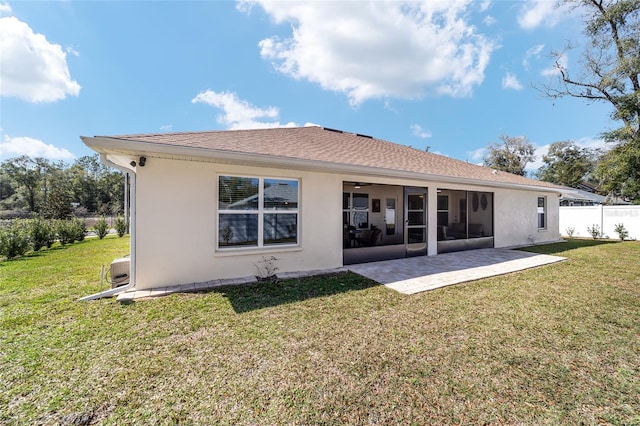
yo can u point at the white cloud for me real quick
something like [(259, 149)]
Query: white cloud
[(478, 154), (594, 144), (15, 147), (510, 81), (418, 131), (5, 9), (32, 68), (537, 162), (531, 53), (484, 5), (71, 51), (489, 20), (379, 50), (240, 114), (166, 127), (538, 12)]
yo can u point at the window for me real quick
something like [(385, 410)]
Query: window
[(257, 212), (355, 210), (542, 212), (390, 215)]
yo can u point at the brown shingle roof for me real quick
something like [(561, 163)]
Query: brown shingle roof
[(335, 147)]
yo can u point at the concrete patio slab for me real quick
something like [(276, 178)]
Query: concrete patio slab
[(417, 274)]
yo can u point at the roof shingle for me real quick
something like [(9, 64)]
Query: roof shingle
[(336, 147)]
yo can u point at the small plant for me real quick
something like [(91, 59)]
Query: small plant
[(101, 227), (65, 231), (121, 226), (267, 269), (622, 232), (41, 233), (79, 229), (570, 231), (14, 240), (594, 231)]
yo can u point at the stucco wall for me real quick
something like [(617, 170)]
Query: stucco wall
[(516, 218), (176, 220), (177, 214)]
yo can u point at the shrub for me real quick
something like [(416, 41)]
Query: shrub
[(65, 231), (621, 231), (570, 231), (121, 226), (594, 231), (101, 227), (42, 233), (14, 240), (79, 228), (267, 269)]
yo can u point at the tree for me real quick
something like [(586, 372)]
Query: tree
[(567, 164), (84, 175), (6, 186), (619, 171), (28, 174), (36, 184), (58, 202), (610, 73), (512, 155)]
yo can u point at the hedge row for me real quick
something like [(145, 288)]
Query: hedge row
[(18, 236)]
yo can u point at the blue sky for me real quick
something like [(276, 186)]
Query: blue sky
[(452, 75)]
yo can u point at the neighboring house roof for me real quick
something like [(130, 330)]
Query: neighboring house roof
[(572, 194), (577, 195), (588, 187), (314, 146)]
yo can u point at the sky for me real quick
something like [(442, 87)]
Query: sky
[(448, 76)]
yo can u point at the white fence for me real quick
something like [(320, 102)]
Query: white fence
[(606, 217)]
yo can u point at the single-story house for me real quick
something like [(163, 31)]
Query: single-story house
[(211, 205), (578, 197)]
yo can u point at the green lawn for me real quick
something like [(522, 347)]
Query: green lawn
[(554, 345)]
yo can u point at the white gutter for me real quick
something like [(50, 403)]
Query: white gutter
[(132, 233), (133, 147)]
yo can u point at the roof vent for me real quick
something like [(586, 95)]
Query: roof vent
[(333, 130), (364, 136)]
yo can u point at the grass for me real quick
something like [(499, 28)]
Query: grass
[(553, 345)]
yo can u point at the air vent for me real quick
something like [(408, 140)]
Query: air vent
[(364, 136), (333, 130)]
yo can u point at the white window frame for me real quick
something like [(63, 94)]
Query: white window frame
[(260, 213), (542, 211)]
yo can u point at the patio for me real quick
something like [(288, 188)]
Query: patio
[(417, 274)]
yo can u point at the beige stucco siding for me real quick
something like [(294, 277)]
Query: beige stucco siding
[(176, 224), (516, 218)]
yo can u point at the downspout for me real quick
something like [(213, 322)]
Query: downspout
[(132, 233)]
